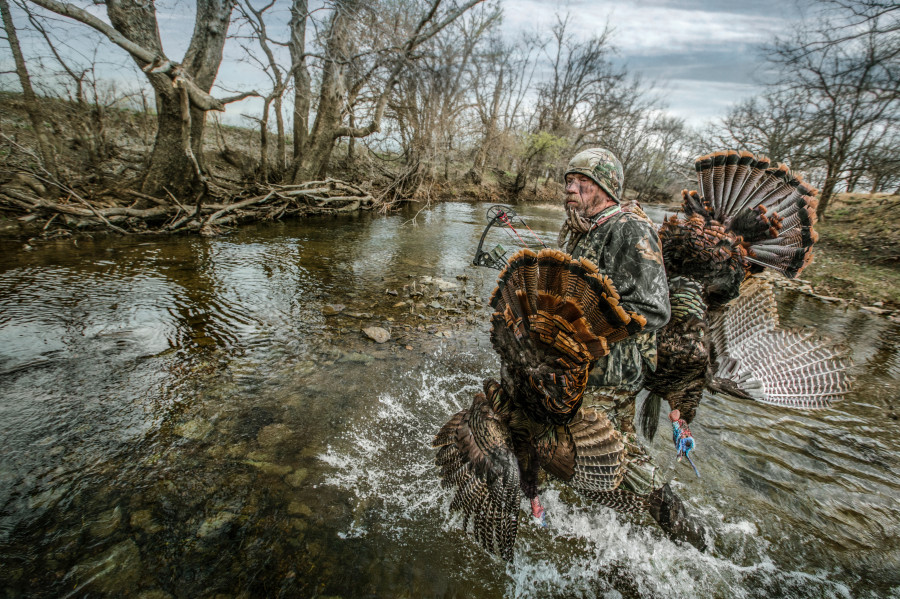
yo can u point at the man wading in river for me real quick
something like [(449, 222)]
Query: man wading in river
[(624, 244)]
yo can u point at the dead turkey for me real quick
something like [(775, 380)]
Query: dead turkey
[(554, 318), (724, 333)]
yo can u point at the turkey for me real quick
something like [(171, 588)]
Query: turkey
[(554, 318), (724, 333)]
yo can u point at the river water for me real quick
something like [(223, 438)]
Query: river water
[(179, 417)]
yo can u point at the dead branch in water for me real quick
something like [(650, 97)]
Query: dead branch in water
[(267, 202)]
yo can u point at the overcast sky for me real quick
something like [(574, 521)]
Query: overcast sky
[(702, 55)]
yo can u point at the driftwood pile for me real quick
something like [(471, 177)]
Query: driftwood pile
[(26, 198)]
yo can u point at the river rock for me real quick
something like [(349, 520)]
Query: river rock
[(273, 435), (400, 304), (332, 309), (195, 429), (269, 467), (106, 523), (439, 283), (114, 572), (391, 292), (360, 315), (297, 508), (296, 478), (297, 524), (377, 334), (143, 519), (215, 523)]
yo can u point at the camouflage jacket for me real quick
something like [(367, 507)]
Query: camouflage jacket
[(625, 247)]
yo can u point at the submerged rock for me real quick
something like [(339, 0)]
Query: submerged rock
[(269, 467), (273, 435), (296, 478), (332, 309), (356, 358), (106, 523), (297, 508), (114, 572), (215, 523), (143, 519), (377, 334), (195, 429)]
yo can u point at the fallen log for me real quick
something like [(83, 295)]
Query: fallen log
[(271, 202)]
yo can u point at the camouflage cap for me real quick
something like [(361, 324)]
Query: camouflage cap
[(602, 167)]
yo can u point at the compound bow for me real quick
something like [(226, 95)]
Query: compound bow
[(496, 258)]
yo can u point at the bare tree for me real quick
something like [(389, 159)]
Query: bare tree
[(340, 60), (503, 76), (279, 78), (32, 107), (848, 86), (182, 89), (777, 124)]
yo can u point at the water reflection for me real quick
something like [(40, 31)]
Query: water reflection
[(179, 416)]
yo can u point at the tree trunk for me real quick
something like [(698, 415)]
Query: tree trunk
[(351, 141), (264, 142), (171, 164), (169, 168), (31, 102), (302, 93), (314, 161), (825, 197), (281, 150)]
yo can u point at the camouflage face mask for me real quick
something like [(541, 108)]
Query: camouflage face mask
[(602, 167)]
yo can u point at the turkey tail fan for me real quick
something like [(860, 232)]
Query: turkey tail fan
[(785, 368), (476, 460), (769, 209), (554, 317), (589, 454)]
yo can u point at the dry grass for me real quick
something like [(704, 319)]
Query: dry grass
[(858, 254)]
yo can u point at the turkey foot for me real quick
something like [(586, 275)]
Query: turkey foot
[(537, 510)]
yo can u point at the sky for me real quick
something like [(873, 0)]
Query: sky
[(701, 56)]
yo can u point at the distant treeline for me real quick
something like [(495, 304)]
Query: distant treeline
[(419, 92)]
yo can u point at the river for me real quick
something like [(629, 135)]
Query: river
[(179, 417)]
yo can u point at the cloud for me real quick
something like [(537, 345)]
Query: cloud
[(709, 52)]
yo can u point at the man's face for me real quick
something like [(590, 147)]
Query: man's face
[(584, 196)]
